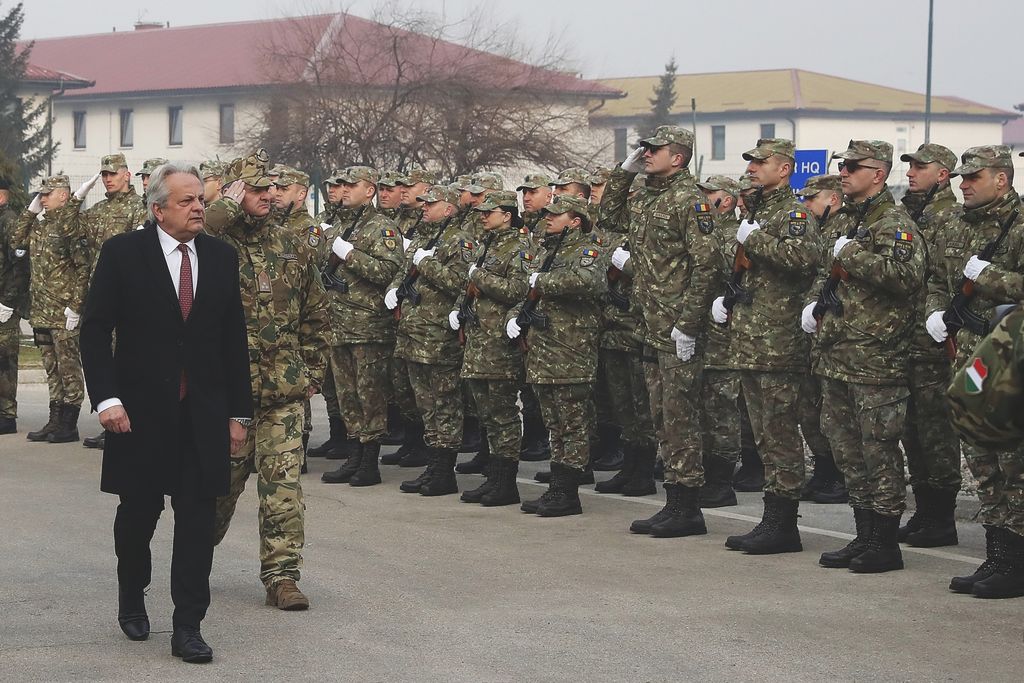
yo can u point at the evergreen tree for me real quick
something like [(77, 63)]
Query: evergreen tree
[(664, 99)]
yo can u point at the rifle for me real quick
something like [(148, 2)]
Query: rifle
[(407, 290), (466, 313), (734, 292), (958, 315), (615, 295), (527, 315), (331, 280)]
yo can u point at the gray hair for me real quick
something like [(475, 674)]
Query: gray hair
[(157, 192)]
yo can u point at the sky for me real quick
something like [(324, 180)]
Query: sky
[(976, 53)]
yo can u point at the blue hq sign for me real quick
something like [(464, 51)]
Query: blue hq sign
[(809, 162)]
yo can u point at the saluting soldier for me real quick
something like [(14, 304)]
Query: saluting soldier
[(13, 307)]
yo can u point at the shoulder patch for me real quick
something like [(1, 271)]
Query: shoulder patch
[(315, 233), (526, 256), (387, 232), (903, 246), (797, 223), (705, 221), (587, 256), (596, 239), (702, 207)]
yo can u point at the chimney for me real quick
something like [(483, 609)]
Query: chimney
[(148, 25)]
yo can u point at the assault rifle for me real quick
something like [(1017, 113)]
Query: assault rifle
[(528, 315), (734, 292), (407, 290), (466, 313), (329, 273)]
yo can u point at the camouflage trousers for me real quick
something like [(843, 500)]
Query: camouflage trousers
[(531, 406), (9, 341), (677, 407), (1000, 476), (568, 411), (495, 400), (931, 445), (274, 452), (771, 404), (863, 423), (402, 393), (438, 392), (62, 361), (361, 378), (622, 398), (809, 412), (721, 401), (330, 392)]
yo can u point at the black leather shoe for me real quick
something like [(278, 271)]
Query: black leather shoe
[(131, 615), (95, 441), (188, 643)]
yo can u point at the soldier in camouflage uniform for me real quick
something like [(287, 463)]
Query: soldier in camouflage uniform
[(491, 367), (413, 184), (389, 194), (211, 172), (368, 252), (561, 362), (13, 307), (929, 442), (289, 334), (863, 354), (671, 230), (59, 265), (782, 241), (598, 181), (148, 166), (990, 205)]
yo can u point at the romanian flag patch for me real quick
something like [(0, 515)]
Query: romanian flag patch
[(904, 236), (592, 253), (526, 256), (702, 207), (798, 215), (316, 230), (466, 244), (388, 232)]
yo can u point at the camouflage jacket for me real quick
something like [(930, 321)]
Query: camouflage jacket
[(13, 270), (502, 283), (942, 214), (674, 255), (424, 335), (285, 307), (333, 214), (987, 392), (59, 263), (870, 342), (565, 350), (618, 327), (119, 212), (299, 222), (765, 335), (409, 217), (1000, 283), (838, 225), (716, 354)]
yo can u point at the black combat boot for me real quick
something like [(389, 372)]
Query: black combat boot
[(46, 429), (781, 534), (617, 482), (684, 517), (470, 435), (368, 473), (840, 559), (442, 481), (339, 434), (8, 425), (563, 498), (417, 454), (826, 485), (606, 454), (883, 553), (531, 506), (414, 485), (749, 477), (717, 489), (994, 550), (586, 476), (922, 502), (641, 481), (478, 464), (344, 450), (491, 469), (768, 521), (67, 426), (535, 444), (395, 434), (344, 474), (939, 527), (505, 490), (1007, 581), (413, 443), (97, 441), (305, 454)]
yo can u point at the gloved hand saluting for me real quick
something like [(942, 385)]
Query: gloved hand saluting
[(634, 163), (81, 192)]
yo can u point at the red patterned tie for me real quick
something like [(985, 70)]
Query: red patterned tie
[(185, 301)]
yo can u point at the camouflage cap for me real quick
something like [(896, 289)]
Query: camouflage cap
[(986, 156), (211, 168), (485, 180), (252, 170), (276, 169), (390, 178), (288, 175), (577, 175), (150, 165), (879, 150), (52, 183), (505, 199), (930, 152), (113, 163), (666, 135), (418, 175), (746, 183), (462, 181), (535, 180), (769, 146), (600, 175), (439, 193), (353, 174), (818, 183), (567, 202), (335, 177), (720, 182)]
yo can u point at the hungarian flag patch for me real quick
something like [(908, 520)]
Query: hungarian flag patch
[(974, 378)]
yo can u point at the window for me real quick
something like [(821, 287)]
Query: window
[(79, 118), (620, 144), (227, 124), (717, 142), (127, 128), (174, 125), (767, 130)]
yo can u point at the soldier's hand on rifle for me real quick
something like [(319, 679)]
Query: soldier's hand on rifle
[(840, 243), (685, 344), (235, 191), (512, 329), (5, 313), (472, 268), (807, 322), (936, 326), (634, 163), (82, 191), (533, 279), (422, 254), (342, 248), (619, 257), (391, 299), (37, 205), (453, 320), (974, 267), (719, 313), (406, 243), (746, 227)]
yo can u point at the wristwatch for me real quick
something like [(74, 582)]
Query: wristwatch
[(244, 421)]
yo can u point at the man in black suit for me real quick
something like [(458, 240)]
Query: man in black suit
[(173, 394)]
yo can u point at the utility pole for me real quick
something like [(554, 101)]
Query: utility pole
[(928, 85)]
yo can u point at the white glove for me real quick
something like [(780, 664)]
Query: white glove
[(936, 326), (453, 320), (512, 329), (342, 248), (20, 253), (685, 344), (974, 267), (807, 322), (718, 311), (326, 226), (37, 205), (619, 257), (471, 269), (533, 279), (634, 163), (406, 243), (5, 313), (421, 254), (746, 227), (81, 192), (72, 319), (391, 299), (840, 243)]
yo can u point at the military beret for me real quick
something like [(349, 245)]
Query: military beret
[(535, 180), (720, 182), (439, 193), (113, 163), (150, 165), (667, 135), (504, 199), (252, 170), (930, 152), (52, 183), (818, 183), (858, 150), (986, 156), (766, 147)]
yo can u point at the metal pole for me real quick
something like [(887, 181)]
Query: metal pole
[(928, 86), (693, 112)]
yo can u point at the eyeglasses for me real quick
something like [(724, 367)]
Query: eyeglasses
[(853, 166)]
